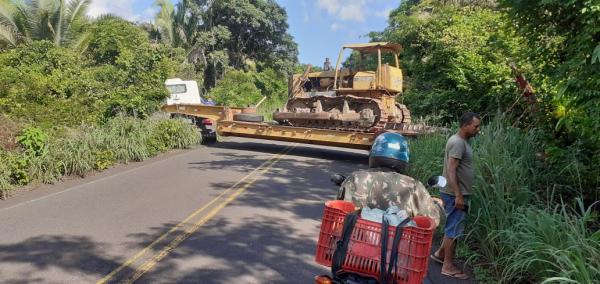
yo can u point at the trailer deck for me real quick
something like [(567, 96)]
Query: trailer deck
[(227, 126)]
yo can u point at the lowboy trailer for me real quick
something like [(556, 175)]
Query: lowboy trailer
[(227, 125)]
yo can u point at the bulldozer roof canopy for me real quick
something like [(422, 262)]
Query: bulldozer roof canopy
[(373, 46)]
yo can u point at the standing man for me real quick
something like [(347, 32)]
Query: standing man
[(458, 170)]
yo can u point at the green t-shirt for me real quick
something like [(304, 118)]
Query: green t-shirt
[(458, 148)]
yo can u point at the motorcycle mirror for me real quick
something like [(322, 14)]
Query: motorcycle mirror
[(337, 179), (437, 181)]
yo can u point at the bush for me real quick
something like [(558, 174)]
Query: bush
[(47, 168), (76, 154), (175, 133), (17, 165), (119, 74), (104, 159), (505, 175), (5, 179), (237, 89), (33, 140)]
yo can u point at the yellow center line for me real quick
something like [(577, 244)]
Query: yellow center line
[(148, 265), (262, 168)]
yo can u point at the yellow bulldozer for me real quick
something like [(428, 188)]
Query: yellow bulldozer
[(350, 98)]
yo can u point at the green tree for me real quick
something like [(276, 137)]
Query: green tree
[(237, 88), (124, 59), (40, 82), (567, 49), (258, 32), (227, 33), (456, 58), (120, 73), (58, 21), (177, 25)]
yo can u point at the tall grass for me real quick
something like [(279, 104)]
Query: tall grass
[(528, 237), (85, 149), (127, 137), (504, 174), (551, 245), (427, 156), (47, 168), (517, 225)]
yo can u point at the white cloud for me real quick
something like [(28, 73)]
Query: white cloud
[(334, 27), (352, 12), (305, 16), (121, 8), (384, 14), (346, 10), (150, 13), (331, 6)]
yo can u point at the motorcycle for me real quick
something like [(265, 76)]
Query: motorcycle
[(353, 278)]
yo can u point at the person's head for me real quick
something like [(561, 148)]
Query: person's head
[(469, 124), (390, 151)]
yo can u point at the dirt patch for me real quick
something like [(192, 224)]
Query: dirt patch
[(9, 129)]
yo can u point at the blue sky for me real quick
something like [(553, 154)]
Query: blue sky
[(320, 27)]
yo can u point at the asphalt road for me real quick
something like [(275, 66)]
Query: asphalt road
[(240, 211)]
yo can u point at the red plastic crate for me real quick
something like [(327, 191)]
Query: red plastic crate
[(364, 249)]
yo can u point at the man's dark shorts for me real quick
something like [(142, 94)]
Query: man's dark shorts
[(455, 218)]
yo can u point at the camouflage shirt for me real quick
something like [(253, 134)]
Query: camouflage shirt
[(381, 189)]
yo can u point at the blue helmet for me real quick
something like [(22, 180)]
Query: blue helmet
[(389, 150)]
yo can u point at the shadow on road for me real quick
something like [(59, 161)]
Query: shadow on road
[(273, 236), (73, 254), (226, 252), (327, 153), (268, 233)]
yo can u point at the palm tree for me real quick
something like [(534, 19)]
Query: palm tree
[(177, 24), (56, 20), (180, 26)]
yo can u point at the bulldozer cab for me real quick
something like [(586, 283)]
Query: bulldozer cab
[(372, 66)]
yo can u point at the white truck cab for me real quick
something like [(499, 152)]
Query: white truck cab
[(182, 92), (186, 92)]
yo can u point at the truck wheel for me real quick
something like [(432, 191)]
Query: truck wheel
[(248, 117), (208, 140), (208, 137)]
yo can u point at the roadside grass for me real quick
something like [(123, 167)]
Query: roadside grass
[(519, 232), (85, 149), (551, 245), (427, 156)]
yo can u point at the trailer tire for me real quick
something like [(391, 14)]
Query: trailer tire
[(248, 117)]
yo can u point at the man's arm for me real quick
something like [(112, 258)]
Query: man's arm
[(453, 182)]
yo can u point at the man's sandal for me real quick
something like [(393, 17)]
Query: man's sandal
[(458, 275), (436, 258)]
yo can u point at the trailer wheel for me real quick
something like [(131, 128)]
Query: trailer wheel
[(248, 117)]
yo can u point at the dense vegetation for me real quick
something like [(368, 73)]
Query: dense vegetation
[(80, 94), (458, 54), (535, 211)]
